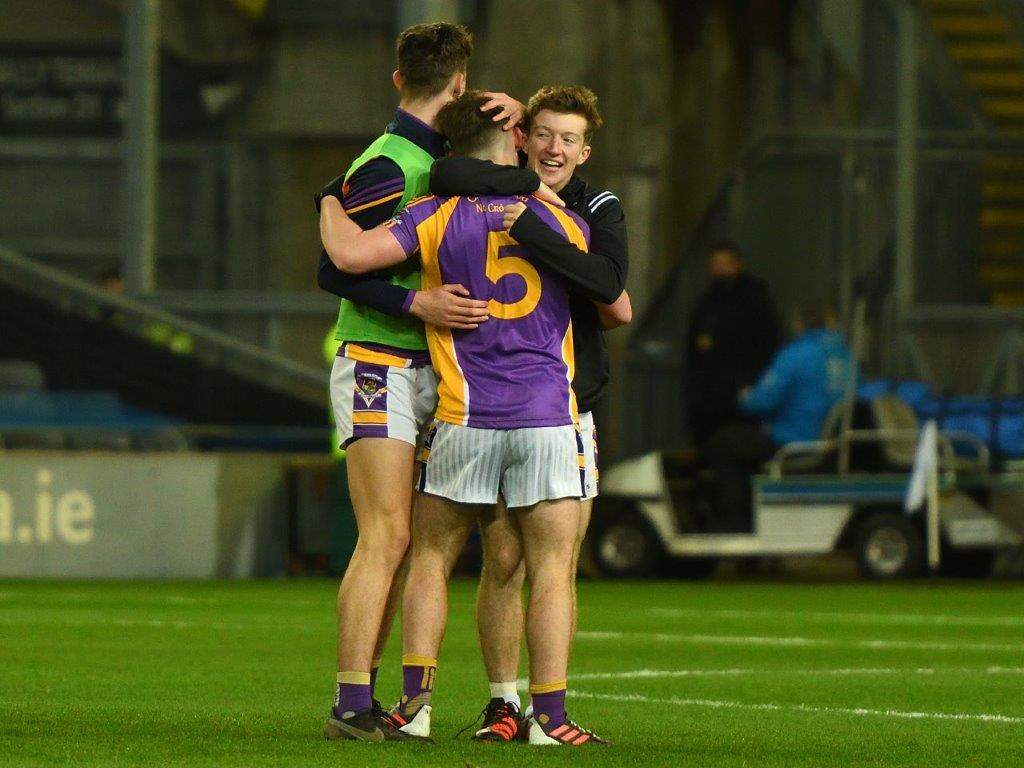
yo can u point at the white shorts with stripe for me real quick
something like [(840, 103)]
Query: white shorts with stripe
[(371, 400), (528, 465), (591, 476)]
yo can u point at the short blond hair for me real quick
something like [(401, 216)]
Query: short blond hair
[(567, 100)]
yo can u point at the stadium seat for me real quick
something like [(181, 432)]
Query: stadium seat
[(88, 408), (163, 440), (35, 440), (891, 413), (21, 375), (818, 460), (100, 440), (82, 420), (25, 416)]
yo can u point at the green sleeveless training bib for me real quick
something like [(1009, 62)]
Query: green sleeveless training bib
[(359, 323)]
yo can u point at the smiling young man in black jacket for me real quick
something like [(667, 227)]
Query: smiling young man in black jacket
[(560, 122)]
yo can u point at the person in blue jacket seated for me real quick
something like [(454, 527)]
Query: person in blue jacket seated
[(792, 399)]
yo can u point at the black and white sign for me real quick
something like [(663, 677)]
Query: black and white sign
[(78, 91)]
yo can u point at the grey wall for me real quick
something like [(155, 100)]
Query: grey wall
[(180, 516), (842, 24), (48, 21), (325, 84)]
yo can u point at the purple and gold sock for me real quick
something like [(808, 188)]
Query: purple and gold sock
[(353, 694), (373, 676), (418, 673), (548, 704)]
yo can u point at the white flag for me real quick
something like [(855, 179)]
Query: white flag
[(926, 461)]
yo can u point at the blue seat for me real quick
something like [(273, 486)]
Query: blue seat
[(82, 420)]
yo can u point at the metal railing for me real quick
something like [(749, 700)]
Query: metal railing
[(821, 448), (80, 297)]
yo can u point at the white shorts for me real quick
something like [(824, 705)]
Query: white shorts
[(372, 400), (591, 476), (472, 466)]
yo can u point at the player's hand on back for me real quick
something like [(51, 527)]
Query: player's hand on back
[(512, 111), (548, 195), (512, 212), (449, 306)]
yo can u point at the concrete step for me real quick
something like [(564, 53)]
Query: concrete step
[(997, 81), (1002, 190), (1003, 164), (1008, 108), (993, 248), (1007, 298), (1002, 218), (987, 53), (1001, 274), (973, 26), (955, 5)]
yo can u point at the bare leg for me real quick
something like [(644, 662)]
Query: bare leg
[(586, 507), (380, 474), (440, 529), (550, 530), (391, 607), (499, 601)]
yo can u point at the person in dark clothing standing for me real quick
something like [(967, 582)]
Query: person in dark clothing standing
[(734, 330)]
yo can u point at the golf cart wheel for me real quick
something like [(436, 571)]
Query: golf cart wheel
[(889, 546), (623, 545)]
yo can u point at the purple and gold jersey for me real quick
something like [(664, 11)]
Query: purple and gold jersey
[(516, 369)]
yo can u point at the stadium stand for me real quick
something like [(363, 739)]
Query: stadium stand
[(82, 373), (82, 420), (996, 421)]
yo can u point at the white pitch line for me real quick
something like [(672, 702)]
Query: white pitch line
[(861, 618), (847, 672), (655, 674), (155, 623), (53, 601), (800, 642), (855, 711)]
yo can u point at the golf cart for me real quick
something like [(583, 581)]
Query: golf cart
[(903, 498)]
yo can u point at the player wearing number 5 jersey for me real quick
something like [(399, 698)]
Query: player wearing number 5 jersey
[(506, 413), (512, 374), (503, 375), (560, 127)]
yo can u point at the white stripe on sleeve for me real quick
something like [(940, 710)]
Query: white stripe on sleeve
[(600, 200)]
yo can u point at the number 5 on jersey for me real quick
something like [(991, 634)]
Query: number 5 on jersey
[(503, 261)]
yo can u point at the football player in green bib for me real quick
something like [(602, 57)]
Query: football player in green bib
[(383, 388)]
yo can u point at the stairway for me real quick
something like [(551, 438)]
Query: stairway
[(981, 40)]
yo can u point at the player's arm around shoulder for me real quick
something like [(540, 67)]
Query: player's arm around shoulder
[(608, 242), (593, 263), (350, 248)]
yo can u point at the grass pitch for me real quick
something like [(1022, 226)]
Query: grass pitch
[(715, 674)]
